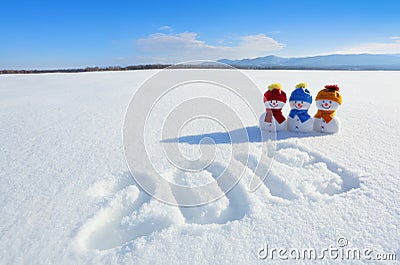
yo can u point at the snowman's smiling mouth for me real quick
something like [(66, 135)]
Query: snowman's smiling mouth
[(273, 106), (326, 107), (298, 107)]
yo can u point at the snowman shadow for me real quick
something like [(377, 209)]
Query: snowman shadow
[(282, 135), (251, 134)]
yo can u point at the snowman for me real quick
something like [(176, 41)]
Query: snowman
[(300, 100), (274, 100), (327, 100)]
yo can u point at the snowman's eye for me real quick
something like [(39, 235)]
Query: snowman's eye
[(323, 101), (276, 101), (295, 102), (330, 101), (270, 101), (302, 102)]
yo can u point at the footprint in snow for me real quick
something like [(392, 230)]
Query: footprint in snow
[(301, 173), (128, 213), (234, 205)]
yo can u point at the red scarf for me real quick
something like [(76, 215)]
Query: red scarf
[(276, 113), (327, 115)]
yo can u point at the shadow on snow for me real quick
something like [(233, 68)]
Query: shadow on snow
[(251, 134)]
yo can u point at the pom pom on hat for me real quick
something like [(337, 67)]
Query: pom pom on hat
[(275, 86), (330, 92), (301, 85), (332, 87), (275, 92)]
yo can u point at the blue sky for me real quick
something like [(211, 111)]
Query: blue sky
[(65, 34)]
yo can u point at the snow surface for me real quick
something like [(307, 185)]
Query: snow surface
[(67, 196)]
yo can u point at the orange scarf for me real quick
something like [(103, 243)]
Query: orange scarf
[(327, 115)]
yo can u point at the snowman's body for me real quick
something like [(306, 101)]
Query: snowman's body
[(296, 125), (274, 124), (320, 125), (299, 120), (328, 122)]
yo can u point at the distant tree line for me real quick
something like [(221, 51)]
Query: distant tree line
[(88, 69), (182, 66)]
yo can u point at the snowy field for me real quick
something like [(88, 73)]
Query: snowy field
[(67, 196)]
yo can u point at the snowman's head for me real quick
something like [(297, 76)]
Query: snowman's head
[(274, 104), (326, 104), (299, 104), (329, 98), (301, 98), (274, 98)]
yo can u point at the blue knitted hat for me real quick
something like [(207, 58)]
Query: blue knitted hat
[(301, 93)]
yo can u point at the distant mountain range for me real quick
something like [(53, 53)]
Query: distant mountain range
[(334, 61)]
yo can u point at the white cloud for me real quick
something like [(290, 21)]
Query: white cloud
[(276, 32), (165, 28), (187, 46), (374, 47)]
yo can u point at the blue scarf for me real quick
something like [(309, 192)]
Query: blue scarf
[(302, 114)]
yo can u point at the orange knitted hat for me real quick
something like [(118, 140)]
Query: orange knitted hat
[(330, 92)]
